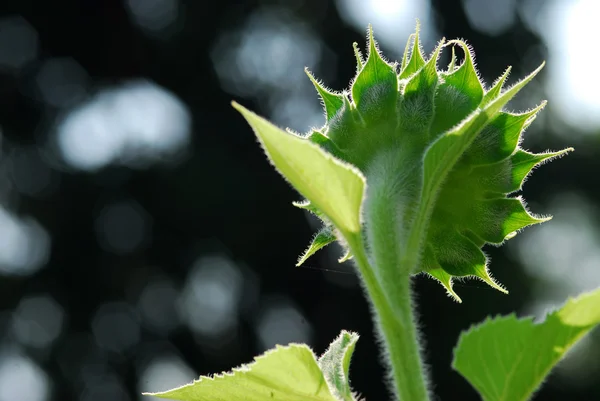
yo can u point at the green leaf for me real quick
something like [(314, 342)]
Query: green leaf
[(434, 269), (306, 205), (507, 359), (335, 365), (452, 64), (508, 176), (459, 256), (416, 107), (496, 88), (346, 256), (289, 373), (444, 153), (458, 96), (500, 137), (376, 80), (495, 219), (427, 77), (406, 52), (326, 143), (332, 186), (359, 58), (416, 61), (465, 78), (523, 162), (332, 102), (321, 240)]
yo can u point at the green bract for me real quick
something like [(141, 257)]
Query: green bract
[(438, 145)]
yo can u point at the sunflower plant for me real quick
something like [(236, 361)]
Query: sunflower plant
[(415, 170)]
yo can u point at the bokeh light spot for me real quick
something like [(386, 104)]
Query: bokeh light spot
[(210, 299), (62, 82), (30, 174), (21, 378), (18, 43), (393, 21), (492, 17), (24, 245), (135, 124), (164, 373), (115, 326), (153, 16), (38, 321), (280, 322), (552, 251), (570, 30), (264, 55), (123, 227), (157, 306), (105, 387), (264, 58)]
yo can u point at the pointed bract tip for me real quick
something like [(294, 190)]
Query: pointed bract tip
[(411, 37), (533, 112), (358, 55), (536, 71), (492, 283), (417, 26), (307, 254), (442, 277), (452, 63), (345, 257), (467, 50), (332, 102), (502, 78), (372, 45), (243, 111), (436, 52), (370, 36), (450, 290), (417, 31)]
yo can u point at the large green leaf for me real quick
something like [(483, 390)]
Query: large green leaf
[(506, 358), (289, 373), (332, 186)]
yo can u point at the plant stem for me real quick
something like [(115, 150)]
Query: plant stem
[(396, 326)]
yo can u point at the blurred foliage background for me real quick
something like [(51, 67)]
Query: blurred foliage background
[(145, 239)]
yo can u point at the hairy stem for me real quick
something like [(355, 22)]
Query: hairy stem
[(396, 327), (387, 281)]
